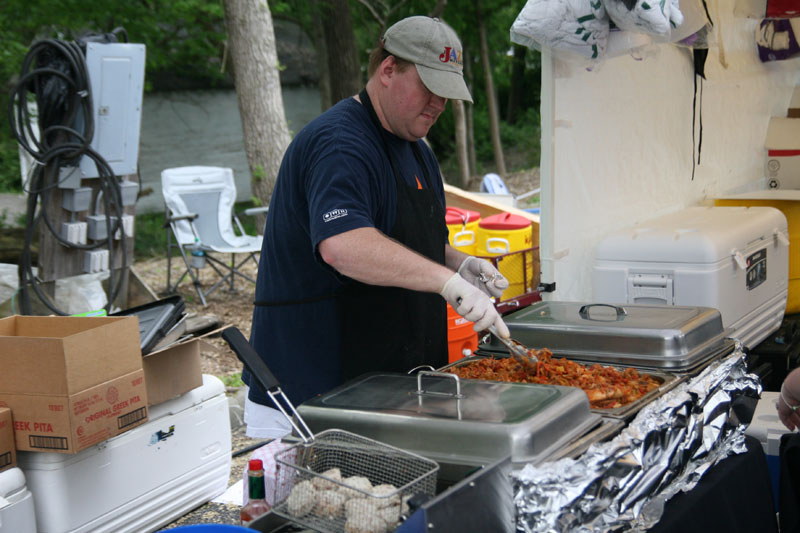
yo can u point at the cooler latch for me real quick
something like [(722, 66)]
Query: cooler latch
[(650, 289)]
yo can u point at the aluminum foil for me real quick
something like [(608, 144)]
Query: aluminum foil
[(623, 484)]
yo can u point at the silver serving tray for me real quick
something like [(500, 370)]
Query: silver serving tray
[(454, 421), (667, 382), (671, 338)]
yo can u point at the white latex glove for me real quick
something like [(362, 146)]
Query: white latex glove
[(483, 275), (473, 304)]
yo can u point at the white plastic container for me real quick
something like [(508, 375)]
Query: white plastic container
[(142, 479), (734, 259), (16, 503)]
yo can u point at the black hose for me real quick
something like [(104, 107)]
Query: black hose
[(54, 74)]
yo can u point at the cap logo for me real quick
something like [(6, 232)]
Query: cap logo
[(450, 55)]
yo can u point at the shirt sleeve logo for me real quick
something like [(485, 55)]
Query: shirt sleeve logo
[(334, 214)]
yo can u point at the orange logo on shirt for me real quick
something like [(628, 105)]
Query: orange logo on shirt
[(419, 185)]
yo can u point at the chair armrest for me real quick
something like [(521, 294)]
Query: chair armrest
[(254, 211), (188, 216)]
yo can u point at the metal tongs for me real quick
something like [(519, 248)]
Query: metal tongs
[(517, 350)]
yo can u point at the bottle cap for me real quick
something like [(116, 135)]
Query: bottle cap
[(255, 464)]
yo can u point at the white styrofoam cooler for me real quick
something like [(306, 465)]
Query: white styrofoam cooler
[(734, 259), (142, 479), (16, 503)]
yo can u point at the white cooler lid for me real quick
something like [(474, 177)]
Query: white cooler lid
[(693, 235), (12, 482)]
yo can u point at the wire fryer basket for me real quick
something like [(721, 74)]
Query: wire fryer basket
[(320, 484)]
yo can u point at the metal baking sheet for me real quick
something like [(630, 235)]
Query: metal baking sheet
[(667, 382)]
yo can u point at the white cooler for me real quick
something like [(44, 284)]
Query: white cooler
[(142, 479), (734, 259), (16, 503)]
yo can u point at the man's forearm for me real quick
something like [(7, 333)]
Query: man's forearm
[(369, 256)]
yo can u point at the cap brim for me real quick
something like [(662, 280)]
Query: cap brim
[(444, 83)]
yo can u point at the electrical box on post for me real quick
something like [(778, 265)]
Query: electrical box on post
[(116, 75)]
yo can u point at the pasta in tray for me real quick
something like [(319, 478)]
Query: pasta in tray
[(605, 386)]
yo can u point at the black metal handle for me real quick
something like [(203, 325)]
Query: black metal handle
[(250, 358), (584, 311)]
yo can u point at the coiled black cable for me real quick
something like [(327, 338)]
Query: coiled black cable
[(55, 75)]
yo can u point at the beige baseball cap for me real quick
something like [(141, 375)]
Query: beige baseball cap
[(436, 51)]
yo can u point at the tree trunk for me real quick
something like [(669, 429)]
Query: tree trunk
[(343, 63), (258, 90), (461, 143), (318, 36), (473, 158), (491, 99), (515, 91)]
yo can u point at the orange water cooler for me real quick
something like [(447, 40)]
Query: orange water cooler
[(462, 340)]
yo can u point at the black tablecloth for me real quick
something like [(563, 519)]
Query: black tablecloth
[(734, 496), (789, 497)]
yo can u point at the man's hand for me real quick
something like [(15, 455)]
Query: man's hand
[(473, 304), (482, 274)]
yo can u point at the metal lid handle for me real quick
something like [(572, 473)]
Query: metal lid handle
[(584, 310), (421, 392)]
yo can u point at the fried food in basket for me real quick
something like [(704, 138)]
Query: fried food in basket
[(606, 387)]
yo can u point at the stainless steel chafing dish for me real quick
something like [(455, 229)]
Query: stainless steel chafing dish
[(461, 422), (676, 339), (666, 382)]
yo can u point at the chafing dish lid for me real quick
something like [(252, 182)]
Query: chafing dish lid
[(485, 401), (658, 335), (491, 419)]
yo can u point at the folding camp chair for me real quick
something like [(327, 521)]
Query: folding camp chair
[(199, 214)]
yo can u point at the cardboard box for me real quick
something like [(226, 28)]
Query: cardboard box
[(794, 104), (8, 453), (782, 168), (71, 382), (172, 371)]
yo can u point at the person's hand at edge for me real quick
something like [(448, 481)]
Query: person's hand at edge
[(789, 401), (473, 304)]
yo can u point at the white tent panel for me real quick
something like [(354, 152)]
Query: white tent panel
[(618, 146)]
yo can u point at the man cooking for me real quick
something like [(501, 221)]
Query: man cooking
[(356, 267)]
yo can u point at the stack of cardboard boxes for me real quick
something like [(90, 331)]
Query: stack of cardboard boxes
[(67, 384), (782, 164), (73, 382)]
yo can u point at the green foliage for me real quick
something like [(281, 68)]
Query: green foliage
[(10, 180), (149, 235), (259, 174), (185, 46), (232, 380)]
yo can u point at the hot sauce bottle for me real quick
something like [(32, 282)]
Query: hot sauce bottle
[(257, 504)]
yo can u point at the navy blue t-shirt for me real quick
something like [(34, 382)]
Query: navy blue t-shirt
[(335, 177)]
